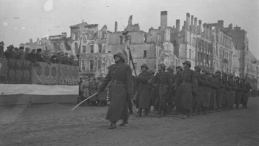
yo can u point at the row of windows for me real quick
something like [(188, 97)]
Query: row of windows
[(91, 64)]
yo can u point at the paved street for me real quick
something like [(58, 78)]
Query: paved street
[(56, 125)]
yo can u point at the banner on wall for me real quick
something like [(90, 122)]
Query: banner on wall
[(19, 72), (45, 74), (3, 70)]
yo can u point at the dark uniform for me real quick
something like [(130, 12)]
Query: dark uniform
[(198, 96), (161, 81), (246, 94), (121, 90), (206, 92), (238, 94), (187, 85), (177, 99), (171, 93), (143, 91), (231, 92), (213, 95), (218, 96)]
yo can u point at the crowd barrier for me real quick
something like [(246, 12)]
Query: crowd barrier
[(24, 72)]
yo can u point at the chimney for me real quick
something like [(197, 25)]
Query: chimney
[(230, 26), (184, 25), (195, 25), (116, 25), (130, 20), (178, 25), (200, 22), (187, 27), (192, 24), (221, 23), (163, 19), (204, 30)]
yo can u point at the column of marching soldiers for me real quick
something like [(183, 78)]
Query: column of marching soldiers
[(185, 91), (188, 92)]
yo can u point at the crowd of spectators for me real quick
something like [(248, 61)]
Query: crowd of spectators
[(38, 55)]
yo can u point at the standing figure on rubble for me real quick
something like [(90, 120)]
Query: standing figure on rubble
[(238, 93), (219, 90), (121, 90), (187, 85), (143, 90), (224, 86)]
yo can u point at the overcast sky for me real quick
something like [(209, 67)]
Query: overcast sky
[(25, 19)]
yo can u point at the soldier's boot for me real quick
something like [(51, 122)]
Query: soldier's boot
[(112, 125), (139, 112), (237, 107), (184, 114), (124, 122), (195, 112), (204, 110), (146, 112), (188, 112)]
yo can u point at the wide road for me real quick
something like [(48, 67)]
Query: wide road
[(56, 125)]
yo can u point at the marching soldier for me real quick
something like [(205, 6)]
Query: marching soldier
[(246, 92), (206, 92), (177, 100), (171, 92), (223, 92), (213, 92), (231, 95), (219, 91), (238, 94), (242, 86), (143, 91), (120, 76), (197, 98), (187, 84), (161, 81)]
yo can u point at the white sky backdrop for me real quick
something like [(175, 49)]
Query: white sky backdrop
[(25, 19)]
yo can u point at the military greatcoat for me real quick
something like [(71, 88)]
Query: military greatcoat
[(197, 99), (187, 84), (161, 81), (143, 90), (120, 76)]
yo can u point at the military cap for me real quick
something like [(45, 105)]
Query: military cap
[(120, 54), (21, 48), (170, 68), (188, 63), (144, 65), (162, 65)]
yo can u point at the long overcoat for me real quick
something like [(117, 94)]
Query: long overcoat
[(246, 93), (198, 96), (119, 75), (187, 84), (143, 90), (161, 81), (171, 92), (206, 92)]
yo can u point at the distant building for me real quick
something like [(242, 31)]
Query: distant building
[(61, 43)]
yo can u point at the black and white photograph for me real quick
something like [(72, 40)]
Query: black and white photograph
[(129, 72)]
